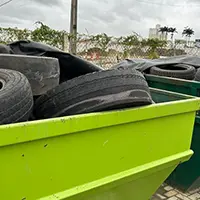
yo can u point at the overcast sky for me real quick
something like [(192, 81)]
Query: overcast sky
[(114, 17)]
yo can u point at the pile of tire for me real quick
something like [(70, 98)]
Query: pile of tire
[(46, 86)]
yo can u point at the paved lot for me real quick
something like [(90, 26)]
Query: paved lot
[(166, 192)]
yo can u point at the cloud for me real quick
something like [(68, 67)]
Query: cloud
[(49, 2), (114, 17)]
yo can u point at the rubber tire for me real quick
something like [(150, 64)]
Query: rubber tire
[(98, 91), (16, 100), (5, 49), (197, 75), (42, 72), (187, 72)]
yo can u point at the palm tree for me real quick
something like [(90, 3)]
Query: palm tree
[(172, 31), (188, 32), (163, 30)]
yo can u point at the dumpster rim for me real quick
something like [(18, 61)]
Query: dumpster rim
[(178, 81), (175, 94), (17, 133)]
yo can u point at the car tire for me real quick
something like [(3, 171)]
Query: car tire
[(94, 92), (16, 100), (181, 71), (42, 72)]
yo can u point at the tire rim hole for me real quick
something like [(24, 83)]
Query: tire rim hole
[(1, 85)]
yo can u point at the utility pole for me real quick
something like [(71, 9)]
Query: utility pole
[(73, 26)]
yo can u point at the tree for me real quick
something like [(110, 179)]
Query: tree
[(44, 33), (165, 30), (127, 42), (162, 30), (8, 35), (102, 40), (188, 32), (172, 31), (153, 45)]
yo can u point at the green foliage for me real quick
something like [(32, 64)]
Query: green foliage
[(127, 43), (131, 45), (153, 45), (188, 32), (45, 34), (8, 35), (42, 33), (129, 40), (102, 41)]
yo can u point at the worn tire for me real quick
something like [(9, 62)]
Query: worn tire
[(98, 91), (16, 100), (197, 75), (42, 72), (181, 71), (5, 49)]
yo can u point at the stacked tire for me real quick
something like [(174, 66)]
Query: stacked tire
[(39, 87), (23, 78)]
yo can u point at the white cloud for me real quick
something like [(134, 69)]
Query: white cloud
[(114, 17)]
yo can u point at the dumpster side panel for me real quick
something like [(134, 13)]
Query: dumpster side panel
[(54, 164), (141, 189), (180, 178), (160, 96), (137, 183), (175, 85)]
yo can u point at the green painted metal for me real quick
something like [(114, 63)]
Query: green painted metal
[(174, 84), (103, 156), (186, 176), (125, 185)]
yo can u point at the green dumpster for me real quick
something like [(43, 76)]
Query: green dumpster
[(186, 176), (174, 84), (117, 155)]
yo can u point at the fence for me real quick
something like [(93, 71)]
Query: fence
[(102, 49), (114, 51)]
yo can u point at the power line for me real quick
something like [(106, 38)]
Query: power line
[(3, 4), (166, 4)]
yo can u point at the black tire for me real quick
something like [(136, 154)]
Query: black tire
[(42, 72), (197, 75), (181, 71), (16, 100), (98, 91), (5, 49)]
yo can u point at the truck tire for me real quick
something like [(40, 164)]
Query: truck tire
[(94, 92), (42, 72), (181, 71), (16, 100), (197, 75)]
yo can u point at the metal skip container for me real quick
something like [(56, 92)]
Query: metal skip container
[(117, 155), (186, 177)]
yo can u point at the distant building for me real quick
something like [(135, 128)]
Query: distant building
[(197, 43), (155, 33)]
